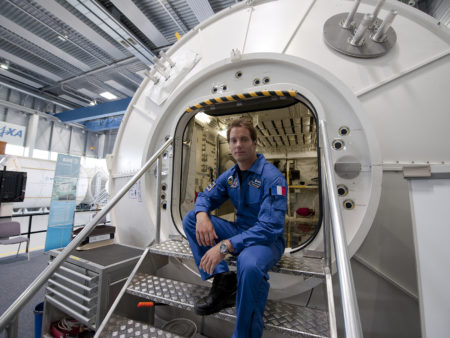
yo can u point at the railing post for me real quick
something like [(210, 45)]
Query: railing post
[(327, 252), (14, 309), (158, 200), (326, 220), (12, 331), (30, 220), (349, 302)]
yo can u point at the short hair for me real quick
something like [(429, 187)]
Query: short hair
[(244, 123)]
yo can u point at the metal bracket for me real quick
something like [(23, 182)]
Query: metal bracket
[(417, 171), (339, 38), (235, 55)]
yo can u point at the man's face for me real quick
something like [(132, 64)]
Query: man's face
[(242, 148)]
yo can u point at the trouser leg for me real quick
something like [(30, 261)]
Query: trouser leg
[(223, 230), (253, 287)]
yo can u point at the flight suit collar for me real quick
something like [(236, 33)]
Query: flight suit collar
[(256, 167)]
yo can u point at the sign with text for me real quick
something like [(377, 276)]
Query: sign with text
[(62, 206), (12, 133)]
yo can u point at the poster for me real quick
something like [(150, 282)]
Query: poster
[(63, 202)]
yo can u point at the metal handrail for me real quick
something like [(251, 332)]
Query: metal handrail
[(326, 219), (327, 255), (349, 303), (13, 310)]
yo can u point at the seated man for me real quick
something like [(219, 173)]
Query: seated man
[(257, 190)]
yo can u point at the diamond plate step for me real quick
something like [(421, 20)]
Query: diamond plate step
[(291, 265), (284, 318), (122, 327)]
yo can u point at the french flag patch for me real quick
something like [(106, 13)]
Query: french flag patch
[(278, 190)]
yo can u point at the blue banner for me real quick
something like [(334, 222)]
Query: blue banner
[(62, 206)]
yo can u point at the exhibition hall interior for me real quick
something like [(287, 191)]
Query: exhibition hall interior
[(115, 124)]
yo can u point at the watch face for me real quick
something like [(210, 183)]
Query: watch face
[(223, 248)]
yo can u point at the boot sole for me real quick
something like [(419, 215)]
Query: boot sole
[(206, 312)]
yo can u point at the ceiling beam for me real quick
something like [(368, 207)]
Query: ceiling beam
[(45, 115), (28, 65), (108, 123), (135, 15), (42, 43), (102, 110), (173, 15), (115, 29), (65, 15), (22, 88), (201, 8), (73, 99), (121, 63), (10, 74), (15, 106)]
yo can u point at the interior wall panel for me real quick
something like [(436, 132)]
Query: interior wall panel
[(109, 143), (17, 117), (43, 134), (60, 139), (92, 144), (77, 142)]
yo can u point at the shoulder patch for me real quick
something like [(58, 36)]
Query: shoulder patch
[(278, 190), (211, 186), (255, 183)]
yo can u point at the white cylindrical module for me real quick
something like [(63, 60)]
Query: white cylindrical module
[(394, 108)]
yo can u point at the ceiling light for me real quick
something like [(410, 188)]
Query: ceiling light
[(5, 65), (63, 38), (93, 102), (202, 117), (108, 95)]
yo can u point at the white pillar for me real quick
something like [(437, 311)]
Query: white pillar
[(101, 145), (32, 129)]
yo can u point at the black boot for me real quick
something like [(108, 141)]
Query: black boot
[(221, 295)]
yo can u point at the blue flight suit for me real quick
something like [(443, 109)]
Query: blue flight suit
[(257, 235)]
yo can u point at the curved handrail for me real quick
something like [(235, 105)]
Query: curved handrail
[(350, 309), (14, 309)]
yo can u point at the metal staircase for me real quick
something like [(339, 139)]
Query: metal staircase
[(288, 319)]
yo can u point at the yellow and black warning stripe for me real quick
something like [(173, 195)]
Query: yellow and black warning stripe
[(244, 96)]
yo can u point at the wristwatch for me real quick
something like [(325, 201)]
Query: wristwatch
[(223, 248)]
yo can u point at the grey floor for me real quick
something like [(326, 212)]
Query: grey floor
[(16, 274)]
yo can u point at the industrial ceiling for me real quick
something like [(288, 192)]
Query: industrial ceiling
[(69, 52)]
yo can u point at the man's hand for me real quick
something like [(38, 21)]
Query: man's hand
[(211, 258), (204, 230)]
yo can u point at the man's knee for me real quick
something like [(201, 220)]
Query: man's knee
[(247, 264)]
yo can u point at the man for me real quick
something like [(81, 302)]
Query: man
[(258, 192)]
